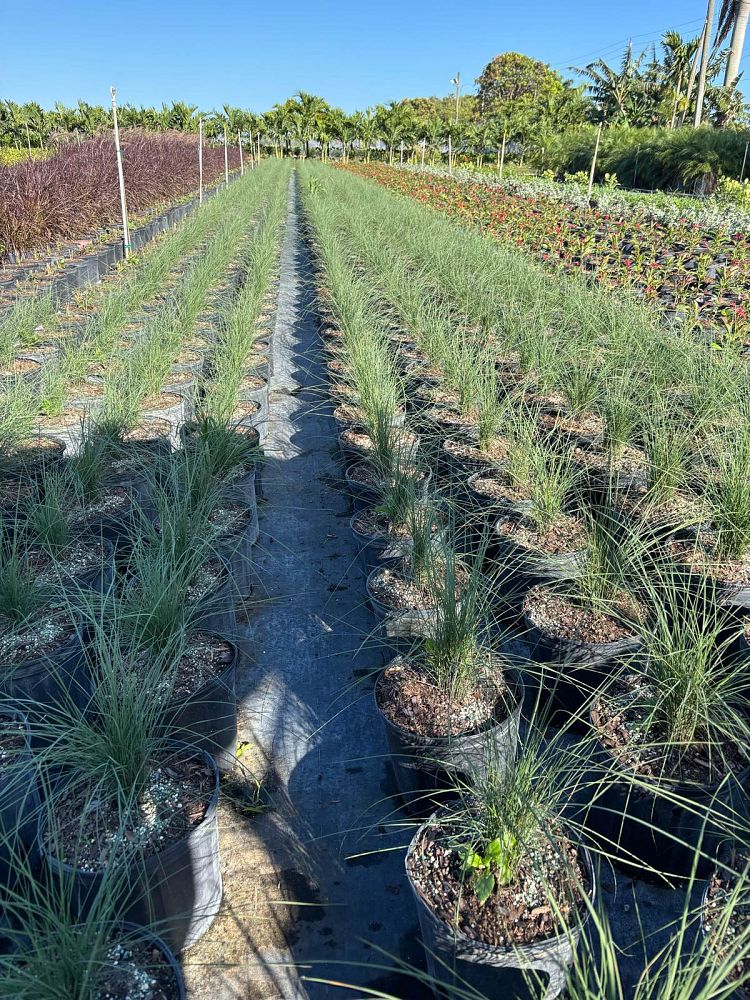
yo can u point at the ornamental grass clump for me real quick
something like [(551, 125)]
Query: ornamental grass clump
[(454, 658), (222, 450), (20, 324), (50, 952), (552, 486), (681, 708), (728, 494), (493, 409)]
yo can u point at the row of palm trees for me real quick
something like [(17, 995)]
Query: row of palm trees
[(292, 127)]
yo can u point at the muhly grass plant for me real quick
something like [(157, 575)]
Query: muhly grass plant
[(552, 486), (22, 599), (728, 494), (220, 448), (49, 521), (49, 952), (693, 696), (20, 324), (455, 651), (109, 745)]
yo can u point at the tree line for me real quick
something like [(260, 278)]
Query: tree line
[(518, 100)]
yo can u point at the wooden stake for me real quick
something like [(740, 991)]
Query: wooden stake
[(200, 161), (450, 155), (226, 159), (424, 144), (593, 161), (502, 155), (744, 163), (239, 143), (121, 178)]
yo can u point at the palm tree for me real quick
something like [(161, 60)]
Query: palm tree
[(733, 16), (679, 54), (615, 91), (279, 123), (183, 117), (366, 128), (395, 125), (307, 109)]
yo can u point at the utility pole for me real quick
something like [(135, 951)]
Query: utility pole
[(200, 161), (705, 55), (456, 81), (120, 177)]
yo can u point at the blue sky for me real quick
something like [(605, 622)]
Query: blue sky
[(254, 54)]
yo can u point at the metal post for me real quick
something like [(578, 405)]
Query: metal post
[(200, 161), (239, 143), (593, 161), (226, 159), (456, 81), (121, 177), (450, 155), (424, 144), (744, 163), (502, 155), (401, 152)]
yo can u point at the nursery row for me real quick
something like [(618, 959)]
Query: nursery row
[(74, 193), (551, 504), (125, 551), (699, 277), (112, 353)]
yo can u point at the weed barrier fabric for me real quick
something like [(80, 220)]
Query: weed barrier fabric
[(299, 709)]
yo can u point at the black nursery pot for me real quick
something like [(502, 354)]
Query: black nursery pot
[(19, 801), (371, 549), (489, 506), (137, 933), (51, 681), (178, 890), (423, 765), (573, 670), (653, 835), (466, 964), (524, 568), (207, 718), (361, 494)]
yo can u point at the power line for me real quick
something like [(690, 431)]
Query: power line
[(613, 46)]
